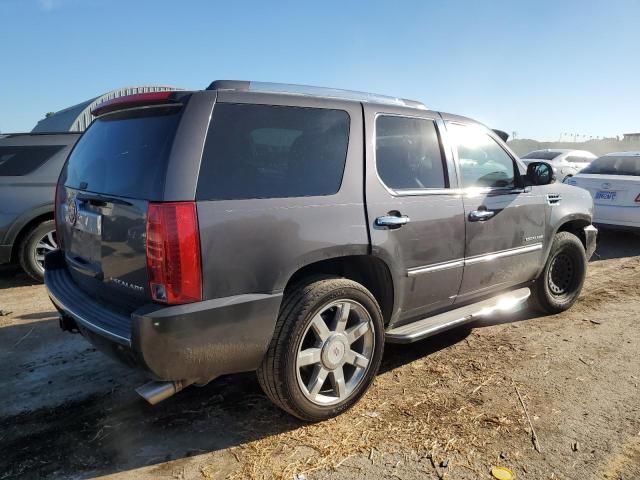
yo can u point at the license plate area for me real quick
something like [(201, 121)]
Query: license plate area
[(606, 195)]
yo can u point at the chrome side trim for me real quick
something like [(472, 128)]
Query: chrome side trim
[(488, 257), (412, 272), (485, 257)]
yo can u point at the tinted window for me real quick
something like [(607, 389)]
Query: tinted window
[(265, 151), (125, 153), (408, 154), (622, 165), (541, 155), (483, 162), (16, 161)]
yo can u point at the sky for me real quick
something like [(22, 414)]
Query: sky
[(541, 68)]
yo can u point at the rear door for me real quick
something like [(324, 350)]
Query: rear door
[(504, 221), (117, 167), (415, 212)]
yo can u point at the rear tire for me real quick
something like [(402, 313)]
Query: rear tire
[(560, 282), (326, 348), (38, 241)]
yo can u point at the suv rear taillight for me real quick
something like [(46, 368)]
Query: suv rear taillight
[(59, 200), (173, 253), (638, 198)]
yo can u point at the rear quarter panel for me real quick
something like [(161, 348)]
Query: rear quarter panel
[(256, 245)]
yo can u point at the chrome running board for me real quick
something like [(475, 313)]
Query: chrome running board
[(418, 330)]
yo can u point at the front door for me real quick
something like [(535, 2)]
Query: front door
[(415, 212), (505, 221)]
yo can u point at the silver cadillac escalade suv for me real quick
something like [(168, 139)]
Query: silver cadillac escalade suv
[(294, 230)]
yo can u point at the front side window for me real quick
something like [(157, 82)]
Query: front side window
[(268, 151), (483, 162), (408, 153)]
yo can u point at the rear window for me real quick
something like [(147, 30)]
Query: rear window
[(125, 153), (265, 151), (541, 155), (22, 160), (614, 166)]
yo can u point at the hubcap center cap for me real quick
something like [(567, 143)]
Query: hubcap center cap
[(333, 352)]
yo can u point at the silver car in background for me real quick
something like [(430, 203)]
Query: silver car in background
[(566, 163)]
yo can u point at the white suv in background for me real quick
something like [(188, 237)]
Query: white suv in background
[(566, 163)]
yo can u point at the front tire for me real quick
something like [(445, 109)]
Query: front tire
[(38, 241), (559, 285), (326, 349)]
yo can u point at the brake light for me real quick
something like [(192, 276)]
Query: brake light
[(59, 199), (129, 101), (638, 198), (173, 253)]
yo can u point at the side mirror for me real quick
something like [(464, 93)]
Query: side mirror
[(540, 173)]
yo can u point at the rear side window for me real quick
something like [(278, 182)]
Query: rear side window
[(265, 151), (408, 153), (22, 160), (125, 153)]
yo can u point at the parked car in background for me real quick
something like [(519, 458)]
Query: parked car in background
[(294, 230), (565, 163), (30, 164), (614, 183)]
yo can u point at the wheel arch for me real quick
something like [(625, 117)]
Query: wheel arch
[(574, 223), (368, 270), (25, 225)]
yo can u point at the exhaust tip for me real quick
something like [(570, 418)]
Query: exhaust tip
[(155, 392)]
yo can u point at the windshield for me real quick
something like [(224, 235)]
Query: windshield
[(541, 155), (125, 153), (611, 165)]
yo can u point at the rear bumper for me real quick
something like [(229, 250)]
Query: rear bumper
[(590, 235), (5, 253), (197, 341), (622, 216)]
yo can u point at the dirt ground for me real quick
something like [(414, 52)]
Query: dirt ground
[(448, 407)]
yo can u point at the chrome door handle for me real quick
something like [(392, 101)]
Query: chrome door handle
[(391, 221), (481, 215)]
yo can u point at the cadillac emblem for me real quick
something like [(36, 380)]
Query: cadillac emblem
[(71, 214)]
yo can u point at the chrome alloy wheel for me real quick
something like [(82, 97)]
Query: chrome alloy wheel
[(335, 352), (46, 244)]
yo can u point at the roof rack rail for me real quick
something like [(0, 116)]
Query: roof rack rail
[(268, 87)]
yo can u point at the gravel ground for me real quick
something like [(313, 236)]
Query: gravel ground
[(449, 407)]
